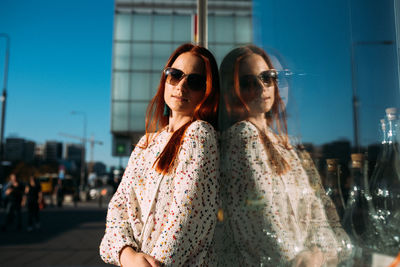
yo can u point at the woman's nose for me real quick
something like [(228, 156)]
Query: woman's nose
[(267, 87), (182, 85)]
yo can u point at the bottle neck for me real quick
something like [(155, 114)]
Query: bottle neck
[(391, 132)]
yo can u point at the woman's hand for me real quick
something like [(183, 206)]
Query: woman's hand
[(310, 258), (130, 257)]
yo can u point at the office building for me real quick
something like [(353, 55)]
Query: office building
[(145, 34), (53, 151), (73, 152), (19, 149)]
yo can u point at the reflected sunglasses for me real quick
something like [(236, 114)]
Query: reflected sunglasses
[(267, 78), (195, 82)]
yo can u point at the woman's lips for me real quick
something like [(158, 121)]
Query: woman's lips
[(180, 98)]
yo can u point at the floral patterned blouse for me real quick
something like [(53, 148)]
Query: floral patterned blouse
[(273, 217), (171, 217)]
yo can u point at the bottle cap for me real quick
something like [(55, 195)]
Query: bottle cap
[(331, 161), (391, 113), (357, 156), (331, 164)]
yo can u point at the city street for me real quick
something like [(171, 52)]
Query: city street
[(68, 237)]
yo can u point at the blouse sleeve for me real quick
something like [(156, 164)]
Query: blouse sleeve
[(189, 228), (325, 230), (254, 223), (119, 229)]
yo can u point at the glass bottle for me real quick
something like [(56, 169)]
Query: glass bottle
[(384, 191), (355, 216), (333, 186)]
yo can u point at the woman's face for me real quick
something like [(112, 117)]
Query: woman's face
[(256, 86), (182, 92)]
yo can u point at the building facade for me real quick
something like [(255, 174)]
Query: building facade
[(19, 149), (145, 34), (53, 151)]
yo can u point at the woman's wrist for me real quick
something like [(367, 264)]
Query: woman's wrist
[(126, 253)]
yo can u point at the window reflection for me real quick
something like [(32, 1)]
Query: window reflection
[(275, 207)]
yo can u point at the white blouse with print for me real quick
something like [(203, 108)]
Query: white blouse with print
[(170, 217), (273, 217)]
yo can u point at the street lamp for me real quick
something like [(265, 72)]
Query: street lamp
[(83, 162), (3, 100)]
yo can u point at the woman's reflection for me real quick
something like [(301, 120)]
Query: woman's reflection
[(276, 216)]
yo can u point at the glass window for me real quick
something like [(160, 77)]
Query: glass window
[(140, 85), (243, 29), (137, 116), (119, 121), (123, 27), (141, 27), (162, 30), (155, 81), (121, 56), (211, 29), (121, 85), (141, 58), (182, 29), (221, 51), (224, 28), (161, 53)]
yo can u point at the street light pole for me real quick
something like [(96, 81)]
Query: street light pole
[(202, 22), (4, 95), (3, 102), (83, 161)]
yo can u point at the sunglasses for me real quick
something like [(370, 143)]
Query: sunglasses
[(267, 78), (195, 82)]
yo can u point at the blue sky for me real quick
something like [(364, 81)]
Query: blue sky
[(61, 53), (60, 61)]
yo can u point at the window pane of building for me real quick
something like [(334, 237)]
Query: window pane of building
[(141, 56), (119, 116), (211, 29), (123, 27), (137, 116), (141, 27), (161, 53), (242, 24), (121, 85), (182, 28), (155, 81), (140, 86), (224, 29), (162, 30), (221, 51), (121, 56)]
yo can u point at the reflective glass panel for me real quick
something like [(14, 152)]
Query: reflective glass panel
[(142, 26), (121, 56), (137, 116), (141, 57), (121, 85), (120, 116), (162, 30), (140, 85), (123, 27)]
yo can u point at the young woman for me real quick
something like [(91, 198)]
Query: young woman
[(164, 210), (275, 209)]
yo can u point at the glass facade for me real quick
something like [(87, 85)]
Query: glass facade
[(331, 186), (145, 34), (342, 62)]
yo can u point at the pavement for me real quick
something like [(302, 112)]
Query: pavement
[(68, 236)]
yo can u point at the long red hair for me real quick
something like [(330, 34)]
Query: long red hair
[(206, 110), (235, 108)]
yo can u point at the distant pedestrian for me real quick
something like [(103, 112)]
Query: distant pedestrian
[(13, 193), (59, 191), (76, 196), (33, 197)]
